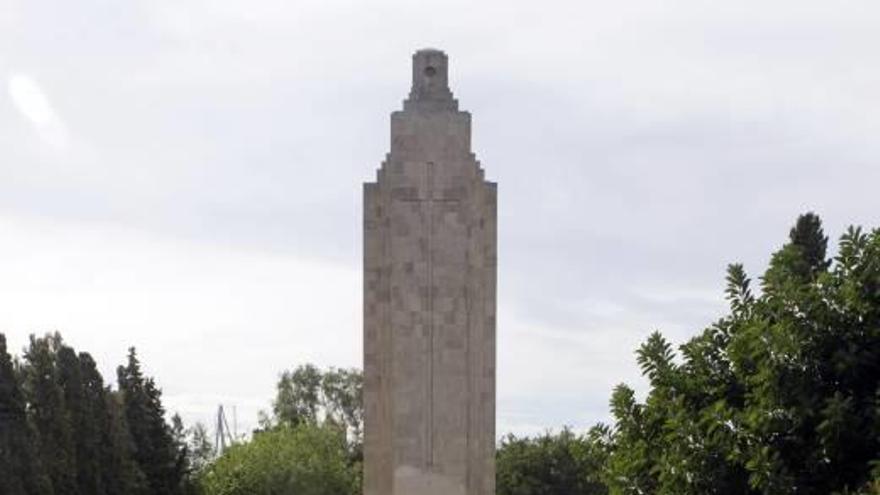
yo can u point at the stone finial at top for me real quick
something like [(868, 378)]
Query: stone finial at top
[(430, 82)]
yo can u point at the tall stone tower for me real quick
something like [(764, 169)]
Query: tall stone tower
[(429, 302)]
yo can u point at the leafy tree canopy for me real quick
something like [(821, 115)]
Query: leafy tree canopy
[(781, 396), (306, 460)]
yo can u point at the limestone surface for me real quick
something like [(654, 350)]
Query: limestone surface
[(429, 302)]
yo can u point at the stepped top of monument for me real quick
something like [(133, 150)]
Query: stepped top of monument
[(430, 83)]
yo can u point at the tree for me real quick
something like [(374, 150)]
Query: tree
[(331, 398), (561, 464), (48, 413), (808, 238), (62, 431), (81, 404), (780, 396), (104, 441), (306, 460), (298, 398), (342, 391), (122, 473), (20, 470), (309, 395), (200, 450), (156, 451), (634, 449)]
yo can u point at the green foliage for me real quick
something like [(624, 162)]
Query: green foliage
[(63, 432), (780, 396), (48, 412), (561, 464), (200, 450), (123, 474), (21, 472), (83, 402), (308, 395), (809, 239), (342, 392), (298, 397), (310, 445), (158, 449), (306, 460)]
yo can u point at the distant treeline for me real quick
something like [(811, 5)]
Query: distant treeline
[(63, 431)]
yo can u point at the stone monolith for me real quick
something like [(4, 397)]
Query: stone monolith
[(429, 302)]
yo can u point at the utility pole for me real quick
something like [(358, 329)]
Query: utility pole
[(235, 422), (223, 434)]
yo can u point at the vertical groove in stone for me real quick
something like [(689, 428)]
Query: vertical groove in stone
[(429, 188)]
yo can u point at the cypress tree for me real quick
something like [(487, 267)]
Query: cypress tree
[(12, 426), (48, 413), (20, 471), (84, 395), (811, 241), (122, 474), (81, 421), (154, 446), (183, 466)]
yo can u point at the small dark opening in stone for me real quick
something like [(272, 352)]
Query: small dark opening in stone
[(430, 71)]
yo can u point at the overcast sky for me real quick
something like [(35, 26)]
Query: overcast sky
[(185, 176)]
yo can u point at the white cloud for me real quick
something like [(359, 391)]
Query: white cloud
[(30, 100), (33, 104)]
